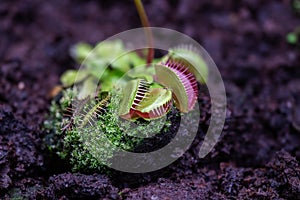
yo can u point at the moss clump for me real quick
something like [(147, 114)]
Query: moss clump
[(88, 148)]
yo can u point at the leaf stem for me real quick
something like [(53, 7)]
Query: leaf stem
[(145, 23)]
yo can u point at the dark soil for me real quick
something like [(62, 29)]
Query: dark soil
[(258, 154)]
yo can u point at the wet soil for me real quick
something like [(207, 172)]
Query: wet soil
[(258, 154)]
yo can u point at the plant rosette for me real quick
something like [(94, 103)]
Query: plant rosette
[(122, 97), (143, 98)]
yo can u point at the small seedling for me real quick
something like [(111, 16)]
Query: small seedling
[(142, 96)]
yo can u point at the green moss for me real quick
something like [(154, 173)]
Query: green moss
[(89, 148)]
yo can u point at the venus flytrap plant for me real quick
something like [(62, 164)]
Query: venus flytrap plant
[(145, 94)]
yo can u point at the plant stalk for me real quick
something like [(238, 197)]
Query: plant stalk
[(145, 23)]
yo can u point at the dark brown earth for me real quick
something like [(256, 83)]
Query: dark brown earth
[(258, 154)]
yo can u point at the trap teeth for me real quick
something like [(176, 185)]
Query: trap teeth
[(181, 81), (141, 101), (133, 93)]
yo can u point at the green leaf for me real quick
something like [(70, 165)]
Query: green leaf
[(110, 79), (143, 72), (192, 59), (155, 85), (129, 92), (124, 62), (80, 51), (96, 68), (168, 78), (88, 88), (109, 49), (114, 54), (70, 77), (135, 59), (157, 97)]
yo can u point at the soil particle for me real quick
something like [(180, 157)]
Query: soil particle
[(285, 170), (278, 180), (79, 186)]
